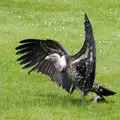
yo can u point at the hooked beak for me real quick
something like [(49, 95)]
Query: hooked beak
[(47, 58)]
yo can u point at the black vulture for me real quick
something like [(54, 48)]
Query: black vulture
[(70, 72)]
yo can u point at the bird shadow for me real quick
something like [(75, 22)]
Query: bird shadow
[(53, 99), (39, 99)]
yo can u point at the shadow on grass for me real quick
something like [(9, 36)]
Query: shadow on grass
[(53, 100), (49, 100)]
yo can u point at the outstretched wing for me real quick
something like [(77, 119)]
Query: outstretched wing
[(33, 55), (85, 59)]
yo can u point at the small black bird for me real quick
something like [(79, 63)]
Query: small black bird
[(68, 71)]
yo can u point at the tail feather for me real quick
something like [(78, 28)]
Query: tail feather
[(102, 91)]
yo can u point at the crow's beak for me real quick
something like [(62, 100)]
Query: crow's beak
[(47, 58)]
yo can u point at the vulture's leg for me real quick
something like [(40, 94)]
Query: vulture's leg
[(83, 97), (83, 94), (96, 98), (72, 90)]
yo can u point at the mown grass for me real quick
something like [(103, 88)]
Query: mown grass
[(35, 97)]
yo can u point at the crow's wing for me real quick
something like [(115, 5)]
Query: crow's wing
[(85, 59), (33, 55)]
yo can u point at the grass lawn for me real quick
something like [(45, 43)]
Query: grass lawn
[(35, 97)]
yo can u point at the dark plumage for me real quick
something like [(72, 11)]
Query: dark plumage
[(35, 52), (99, 92), (68, 71)]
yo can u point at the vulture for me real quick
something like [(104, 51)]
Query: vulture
[(71, 72)]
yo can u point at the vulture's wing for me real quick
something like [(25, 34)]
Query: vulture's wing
[(85, 59), (34, 52)]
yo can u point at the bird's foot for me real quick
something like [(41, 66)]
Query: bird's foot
[(98, 99)]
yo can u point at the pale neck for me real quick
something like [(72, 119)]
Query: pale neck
[(60, 63), (58, 59)]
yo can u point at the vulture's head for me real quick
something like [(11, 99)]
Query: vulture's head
[(53, 57)]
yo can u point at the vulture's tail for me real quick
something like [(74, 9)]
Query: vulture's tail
[(102, 91)]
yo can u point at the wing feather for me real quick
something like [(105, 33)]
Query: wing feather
[(85, 59), (33, 53)]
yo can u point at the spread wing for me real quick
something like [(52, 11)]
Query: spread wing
[(33, 53), (85, 59)]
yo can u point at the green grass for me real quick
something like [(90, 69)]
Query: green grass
[(35, 97)]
